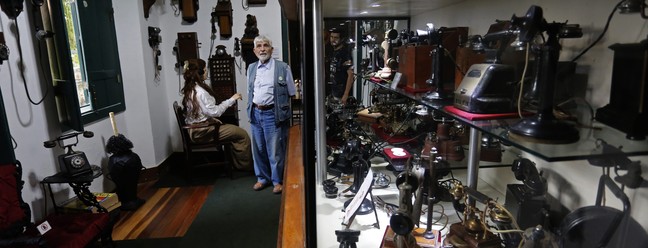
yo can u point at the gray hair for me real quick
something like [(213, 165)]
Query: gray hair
[(262, 38)]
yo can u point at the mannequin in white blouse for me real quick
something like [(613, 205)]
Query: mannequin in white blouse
[(200, 106)]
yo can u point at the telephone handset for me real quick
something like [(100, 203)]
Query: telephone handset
[(237, 47)]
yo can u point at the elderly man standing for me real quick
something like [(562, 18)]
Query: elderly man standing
[(269, 90)]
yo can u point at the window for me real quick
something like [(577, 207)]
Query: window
[(84, 60)]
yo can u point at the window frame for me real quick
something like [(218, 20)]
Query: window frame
[(100, 57)]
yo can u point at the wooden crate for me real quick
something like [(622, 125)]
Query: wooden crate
[(415, 65)]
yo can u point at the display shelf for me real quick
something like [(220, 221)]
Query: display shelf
[(586, 147), (330, 215)]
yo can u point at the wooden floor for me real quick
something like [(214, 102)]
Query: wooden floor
[(168, 212)]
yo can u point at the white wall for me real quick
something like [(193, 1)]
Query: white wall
[(574, 183), (148, 120)]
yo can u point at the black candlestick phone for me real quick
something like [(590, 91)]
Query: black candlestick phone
[(72, 163)]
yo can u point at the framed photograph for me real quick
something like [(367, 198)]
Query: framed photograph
[(396, 80)]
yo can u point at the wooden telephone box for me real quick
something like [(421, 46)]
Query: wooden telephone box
[(415, 61)]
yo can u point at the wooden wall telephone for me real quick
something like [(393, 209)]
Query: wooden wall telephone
[(189, 10), (223, 14)]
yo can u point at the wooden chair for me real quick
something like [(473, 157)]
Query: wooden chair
[(67, 230), (190, 147)]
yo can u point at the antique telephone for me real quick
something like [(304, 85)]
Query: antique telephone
[(473, 231), (12, 9), (544, 127), (154, 41), (223, 14), (526, 201), (487, 88), (189, 10), (4, 50), (72, 163)]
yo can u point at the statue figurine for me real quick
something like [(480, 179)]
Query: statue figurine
[(247, 42)]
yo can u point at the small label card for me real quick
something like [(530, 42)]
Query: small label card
[(352, 208), (44, 227)]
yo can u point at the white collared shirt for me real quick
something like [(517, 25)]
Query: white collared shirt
[(208, 106)]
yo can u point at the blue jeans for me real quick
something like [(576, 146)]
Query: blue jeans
[(269, 146)]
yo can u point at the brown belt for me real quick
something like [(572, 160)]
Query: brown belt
[(263, 107)]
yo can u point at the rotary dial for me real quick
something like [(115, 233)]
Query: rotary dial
[(77, 162)]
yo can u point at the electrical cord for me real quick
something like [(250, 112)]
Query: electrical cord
[(22, 69), (526, 63), (607, 24), (449, 54), (176, 11)]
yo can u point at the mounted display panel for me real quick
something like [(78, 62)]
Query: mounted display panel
[(223, 82)]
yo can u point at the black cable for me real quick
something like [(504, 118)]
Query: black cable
[(176, 11), (607, 24), (22, 69)]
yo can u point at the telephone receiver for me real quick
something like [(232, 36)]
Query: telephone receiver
[(237, 47), (12, 8), (214, 17)]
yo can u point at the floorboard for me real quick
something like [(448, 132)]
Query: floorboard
[(167, 213)]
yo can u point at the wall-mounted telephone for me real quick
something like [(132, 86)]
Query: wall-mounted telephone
[(4, 50), (72, 163), (12, 7), (154, 41), (223, 11), (189, 10), (186, 47)]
